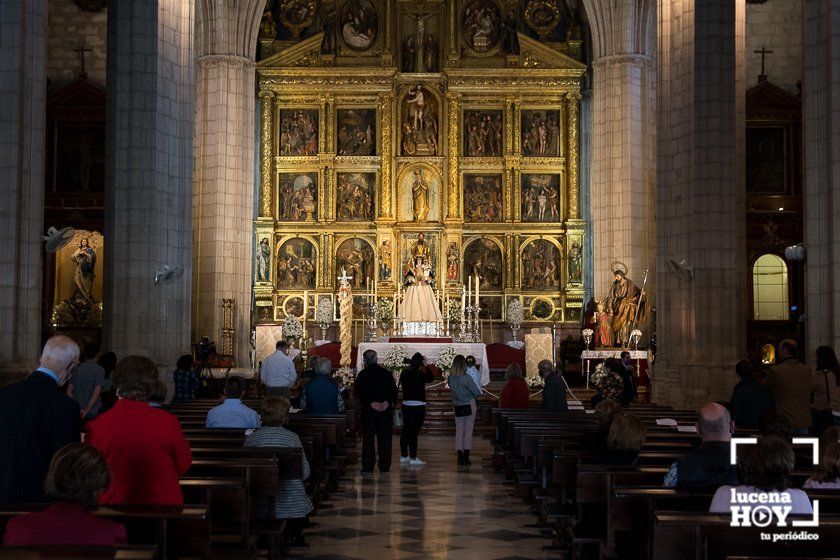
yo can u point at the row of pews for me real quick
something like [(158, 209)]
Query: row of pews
[(224, 480), (601, 511)]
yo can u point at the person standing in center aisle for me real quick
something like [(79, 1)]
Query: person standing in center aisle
[(554, 391), (37, 418), (464, 392), (413, 382), (278, 372), (377, 394), (88, 378)]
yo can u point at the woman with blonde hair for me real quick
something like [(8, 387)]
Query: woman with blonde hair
[(464, 392), (828, 475), (515, 394)]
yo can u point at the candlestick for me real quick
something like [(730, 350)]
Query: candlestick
[(476, 289)]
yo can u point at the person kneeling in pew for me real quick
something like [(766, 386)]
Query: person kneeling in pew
[(292, 502), (77, 475)]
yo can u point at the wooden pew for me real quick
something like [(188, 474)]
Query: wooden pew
[(78, 552)]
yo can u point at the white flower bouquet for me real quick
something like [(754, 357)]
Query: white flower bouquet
[(385, 309), (535, 382), (346, 376), (324, 311), (292, 327), (515, 314), (396, 360), (453, 310), (444, 361)]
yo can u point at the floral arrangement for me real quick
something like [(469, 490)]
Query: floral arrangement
[(292, 327), (324, 311), (385, 309), (607, 382), (346, 376), (514, 313), (396, 360), (444, 360), (535, 382), (453, 310)]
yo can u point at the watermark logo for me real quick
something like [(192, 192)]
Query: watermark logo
[(770, 509)]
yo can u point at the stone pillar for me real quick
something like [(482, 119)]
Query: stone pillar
[(149, 177), (22, 113), (700, 322), (223, 203), (821, 130), (622, 140)]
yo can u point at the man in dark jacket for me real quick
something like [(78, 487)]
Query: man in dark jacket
[(628, 376), (37, 418), (554, 391), (750, 399), (377, 394), (707, 467), (321, 395)]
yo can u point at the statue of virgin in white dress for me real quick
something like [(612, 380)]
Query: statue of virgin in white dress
[(419, 303)]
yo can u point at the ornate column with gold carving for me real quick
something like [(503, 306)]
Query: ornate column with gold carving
[(266, 159), (572, 159), (453, 182), (386, 196)]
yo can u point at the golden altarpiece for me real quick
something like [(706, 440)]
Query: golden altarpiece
[(457, 122)]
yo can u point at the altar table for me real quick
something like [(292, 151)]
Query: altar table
[(430, 350)]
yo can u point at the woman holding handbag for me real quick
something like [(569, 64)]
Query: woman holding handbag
[(413, 383), (825, 391), (464, 392)]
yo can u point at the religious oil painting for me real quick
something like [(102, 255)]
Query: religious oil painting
[(483, 198), (293, 306), (491, 308), (299, 132), (483, 133), (298, 197), (540, 265), (78, 282), (541, 135), (481, 25), (483, 258), (419, 124), (419, 187), (356, 132), (354, 197), (540, 197), (359, 24), (296, 264), (765, 160), (356, 256), (420, 48)]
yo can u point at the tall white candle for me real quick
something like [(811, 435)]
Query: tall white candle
[(463, 301), (476, 290)]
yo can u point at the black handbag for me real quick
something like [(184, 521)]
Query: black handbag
[(462, 410)]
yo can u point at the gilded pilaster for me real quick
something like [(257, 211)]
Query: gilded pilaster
[(572, 179), (453, 183), (510, 115), (386, 101), (266, 161), (329, 110), (517, 128)]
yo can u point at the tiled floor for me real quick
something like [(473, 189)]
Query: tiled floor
[(427, 512)]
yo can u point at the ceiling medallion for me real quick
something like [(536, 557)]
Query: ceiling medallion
[(297, 15), (543, 16)]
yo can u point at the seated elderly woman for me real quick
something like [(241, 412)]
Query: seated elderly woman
[(765, 469), (625, 439), (77, 475), (292, 502), (515, 393), (143, 445), (596, 440)]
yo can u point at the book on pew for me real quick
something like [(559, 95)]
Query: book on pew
[(687, 429), (666, 422)]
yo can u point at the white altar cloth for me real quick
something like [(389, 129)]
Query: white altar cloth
[(431, 351)]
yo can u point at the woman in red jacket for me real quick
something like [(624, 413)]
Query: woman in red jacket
[(76, 477), (144, 446), (515, 394)]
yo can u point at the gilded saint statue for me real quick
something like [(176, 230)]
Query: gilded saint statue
[(420, 197), (624, 300), (420, 249), (85, 260)]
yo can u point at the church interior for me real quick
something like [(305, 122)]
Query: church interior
[(592, 202)]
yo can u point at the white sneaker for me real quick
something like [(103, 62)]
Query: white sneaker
[(418, 461), (404, 459)]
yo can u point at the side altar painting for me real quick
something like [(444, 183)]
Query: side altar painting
[(78, 282), (419, 148)]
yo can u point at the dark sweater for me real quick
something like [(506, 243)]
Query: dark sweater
[(750, 400), (413, 383), (706, 468), (375, 384)]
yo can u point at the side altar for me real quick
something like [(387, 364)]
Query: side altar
[(440, 136)]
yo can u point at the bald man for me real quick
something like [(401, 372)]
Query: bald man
[(708, 466), (37, 418)]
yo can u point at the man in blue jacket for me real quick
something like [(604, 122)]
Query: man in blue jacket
[(321, 395)]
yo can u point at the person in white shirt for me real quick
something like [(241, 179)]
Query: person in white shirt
[(278, 372), (765, 470)]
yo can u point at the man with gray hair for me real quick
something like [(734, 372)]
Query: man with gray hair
[(321, 395), (707, 467), (377, 393), (554, 388), (37, 418)]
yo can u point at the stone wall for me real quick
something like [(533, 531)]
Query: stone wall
[(777, 26), (68, 28)]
